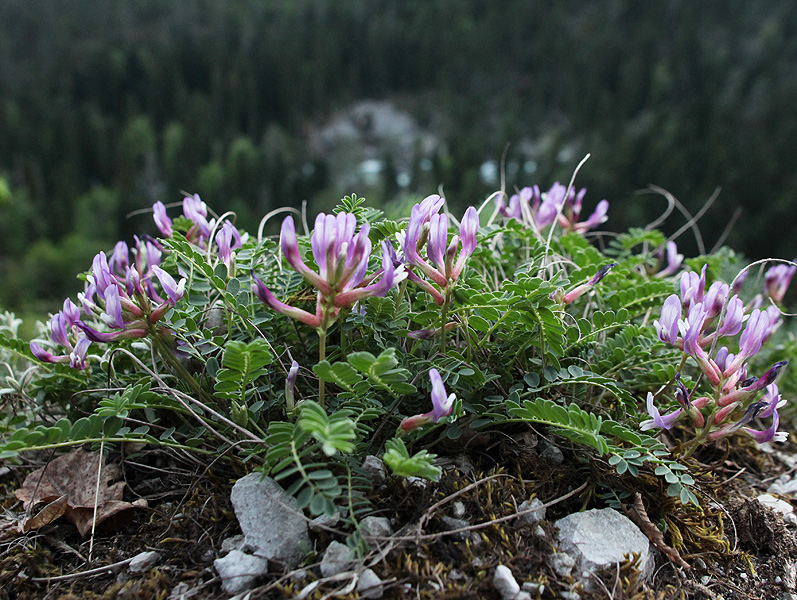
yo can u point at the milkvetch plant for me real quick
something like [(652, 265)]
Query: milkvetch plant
[(303, 354)]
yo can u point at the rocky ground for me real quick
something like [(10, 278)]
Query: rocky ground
[(523, 516)]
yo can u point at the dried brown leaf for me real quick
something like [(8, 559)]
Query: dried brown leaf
[(46, 515), (74, 475)]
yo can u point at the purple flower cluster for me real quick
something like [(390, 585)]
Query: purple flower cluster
[(444, 259), (694, 322), (341, 255), (537, 211), (227, 237), (122, 296)]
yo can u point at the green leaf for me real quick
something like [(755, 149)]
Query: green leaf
[(398, 458)]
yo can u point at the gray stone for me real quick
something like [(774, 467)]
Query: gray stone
[(378, 527), (779, 506), (271, 521), (532, 517), (144, 562), (240, 572), (603, 538), (551, 452), (459, 509), (337, 559), (369, 585), (451, 524), (375, 469), (235, 542), (504, 581), (562, 564), (321, 522)]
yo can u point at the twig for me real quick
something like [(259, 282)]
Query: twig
[(89, 573), (96, 499)]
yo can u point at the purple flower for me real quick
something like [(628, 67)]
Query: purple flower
[(342, 258), (734, 316), (693, 287), (580, 290), (102, 273), (776, 281), (120, 259), (692, 329), (771, 434), (598, 216), (225, 240), (658, 420), (77, 358), (197, 211), (131, 331), (667, 325), (674, 261), (715, 298), (162, 221), (175, 291), (751, 340), (426, 226), (442, 405), (467, 236), (112, 316)]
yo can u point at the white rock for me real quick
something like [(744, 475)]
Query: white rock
[(337, 559), (144, 561), (601, 538), (271, 521), (240, 572), (505, 583), (776, 504), (532, 517), (787, 486), (369, 585), (459, 509)]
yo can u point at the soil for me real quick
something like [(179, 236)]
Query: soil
[(730, 547)]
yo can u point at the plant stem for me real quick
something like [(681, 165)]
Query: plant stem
[(322, 355), (443, 317)]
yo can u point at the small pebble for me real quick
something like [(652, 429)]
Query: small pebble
[(337, 559), (375, 469), (459, 510), (144, 561), (533, 588), (562, 563), (504, 581), (369, 585), (532, 517)]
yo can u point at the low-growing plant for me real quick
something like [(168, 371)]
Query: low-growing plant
[(303, 357)]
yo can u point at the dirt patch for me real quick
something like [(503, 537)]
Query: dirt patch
[(735, 547)]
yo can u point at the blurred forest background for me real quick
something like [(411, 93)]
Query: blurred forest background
[(106, 107)]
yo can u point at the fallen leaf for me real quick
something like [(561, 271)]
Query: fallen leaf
[(46, 515), (74, 475)]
